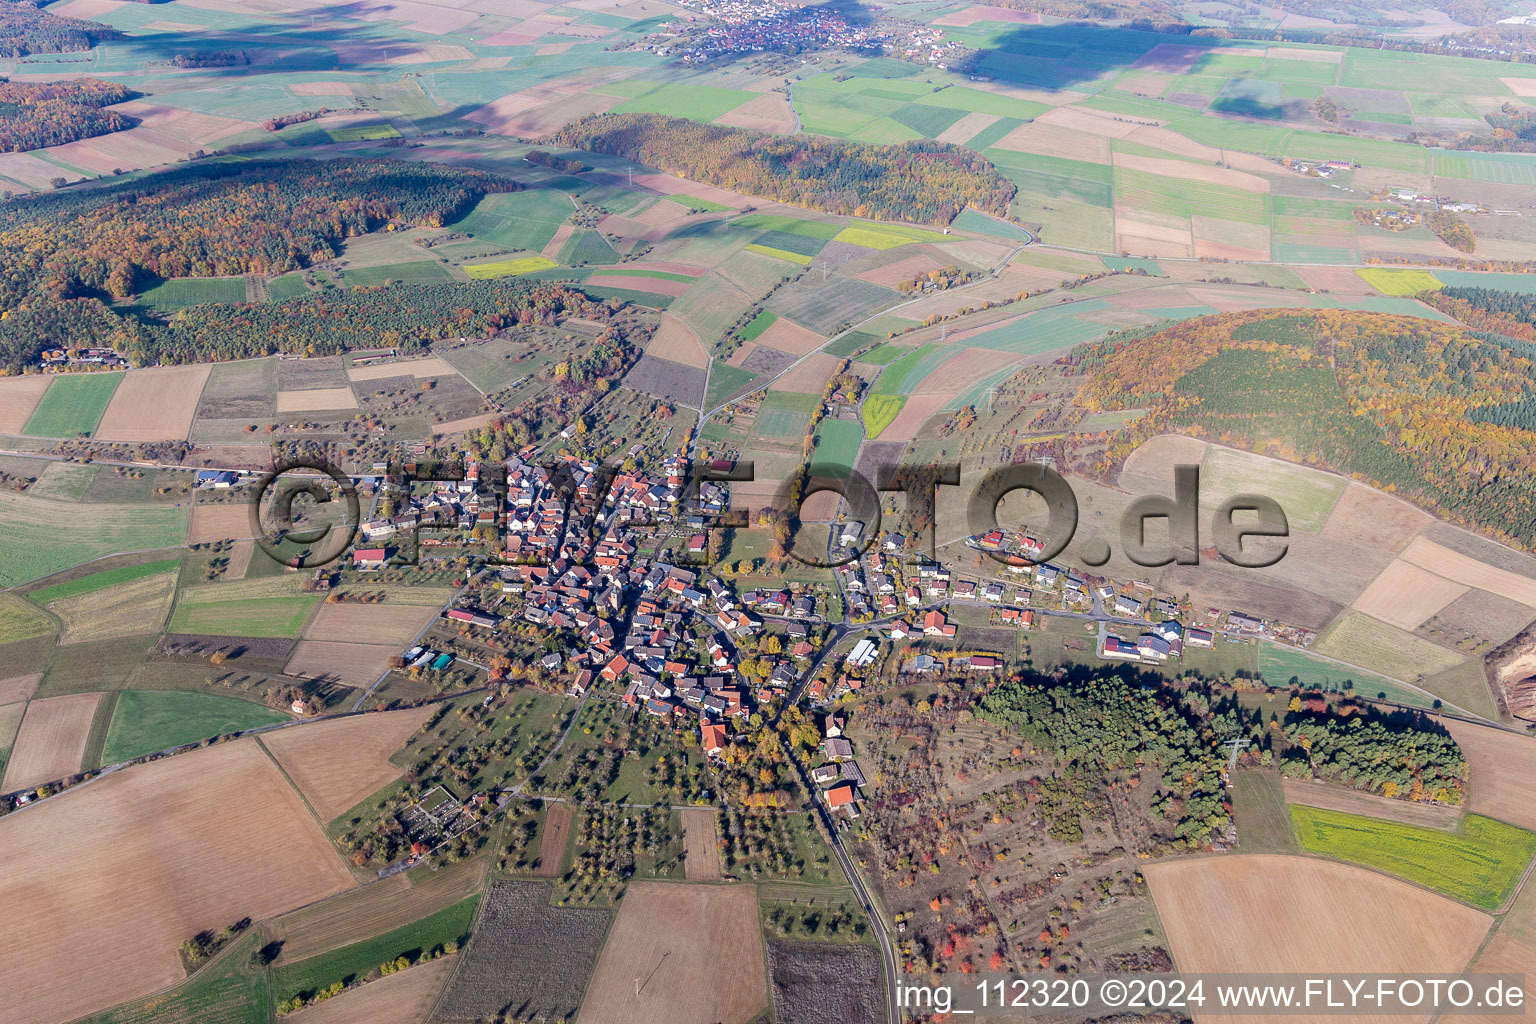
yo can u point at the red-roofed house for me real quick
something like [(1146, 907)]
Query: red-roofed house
[(713, 738)]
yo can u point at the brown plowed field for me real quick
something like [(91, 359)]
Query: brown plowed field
[(1266, 912), (348, 664), (701, 850), (19, 687), (557, 828), (51, 741), (1502, 770), (698, 946), (154, 405), (116, 874), (404, 998), (338, 762), (220, 522), (18, 397)]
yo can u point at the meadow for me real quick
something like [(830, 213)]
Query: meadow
[(145, 721), (1279, 665), (1399, 282), (1477, 864), (20, 621), (101, 580), (73, 404), (363, 133), (259, 616), (837, 442), (189, 291)]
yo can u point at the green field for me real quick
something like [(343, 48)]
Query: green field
[(783, 254), (699, 102), (1479, 863), (880, 411), (757, 325), (894, 375), (1399, 282), (702, 205), (257, 616), (785, 415), (227, 991), (363, 133), (508, 268), (145, 721), (39, 537), (1279, 665), (101, 580), (289, 286), (189, 291), (414, 272), (837, 442), (73, 404), (451, 924), (518, 220), (824, 230), (885, 236)]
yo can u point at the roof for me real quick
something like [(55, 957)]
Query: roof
[(840, 796)]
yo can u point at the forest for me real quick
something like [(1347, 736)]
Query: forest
[(217, 219), (919, 182), (1104, 722), (1386, 399), (1411, 759), (38, 114), (25, 29)]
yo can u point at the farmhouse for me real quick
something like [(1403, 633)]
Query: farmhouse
[(368, 559)]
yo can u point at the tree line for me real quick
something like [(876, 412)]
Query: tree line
[(26, 29), (922, 182)]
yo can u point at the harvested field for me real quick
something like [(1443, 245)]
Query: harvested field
[(676, 342), (51, 742), (136, 608), (917, 411), (432, 366), (18, 688), (229, 838), (511, 966), (810, 377), (967, 128), (239, 560), (769, 112), (338, 762), (10, 721), (701, 859), (1083, 120), (1353, 801), (402, 998), (1360, 640), (373, 909), (677, 935), (1266, 912), (467, 423), (903, 269), (557, 830), (154, 404), (347, 663), (1366, 516), (230, 521), (18, 398), (814, 983), (1466, 570), (353, 622), (1183, 170), (641, 283), (1039, 137), (1406, 596), (316, 400), (1502, 770)]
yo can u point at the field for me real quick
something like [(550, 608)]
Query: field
[(20, 620), (339, 762), (880, 411), (837, 442), (1279, 665), (230, 521), (31, 528), (189, 291), (1478, 864), (155, 405), (675, 935), (552, 840), (127, 609), (1399, 282), (316, 400), (257, 607), (403, 998), (145, 721), (1266, 912), (354, 961), (348, 664), (813, 981), (229, 837), (1361, 640), (1259, 809), (1406, 596), (373, 909), (73, 405), (18, 398), (508, 268), (702, 849), (369, 623), (362, 133), (51, 743), (1469, 571), (1306, 495), (511, 960), (1502, 769)]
